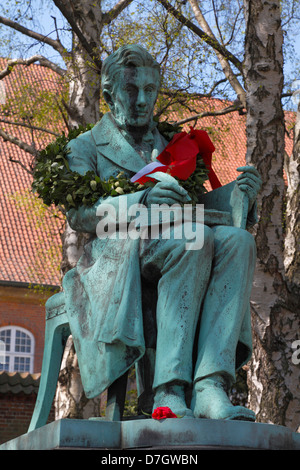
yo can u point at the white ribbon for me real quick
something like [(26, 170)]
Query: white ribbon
[(147, 169)]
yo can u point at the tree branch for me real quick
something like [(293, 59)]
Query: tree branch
[(36, 58), (56, 44), (216, 19), (193, 95), (227, 110), (89, 46), (21, 164), (227, 70), (234, 26), (29, 126), (199, 32), (50, 65), (110, 15), (22, 145)]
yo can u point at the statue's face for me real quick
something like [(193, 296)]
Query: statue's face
[(135, 95)]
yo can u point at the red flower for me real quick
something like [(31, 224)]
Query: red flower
[(180, 155), (163, 412)]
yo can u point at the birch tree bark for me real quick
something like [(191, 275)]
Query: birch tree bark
[(273, 378), (84, 64)]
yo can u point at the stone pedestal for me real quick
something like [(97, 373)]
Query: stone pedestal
[(147, 434)]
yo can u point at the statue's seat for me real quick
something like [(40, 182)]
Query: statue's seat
[(228, 200), (57, 332)]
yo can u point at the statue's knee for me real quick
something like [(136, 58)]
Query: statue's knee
[(242, 239), (195, 234), (208, 235), (203, 241)]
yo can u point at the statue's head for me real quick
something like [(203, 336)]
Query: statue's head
[(130, 84)]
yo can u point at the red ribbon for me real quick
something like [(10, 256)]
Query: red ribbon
[(180, 156), (206, 148)]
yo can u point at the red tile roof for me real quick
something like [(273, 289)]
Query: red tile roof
[(25, 238), (17, 382), (24, 243)]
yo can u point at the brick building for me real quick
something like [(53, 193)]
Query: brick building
[(28, 237), (30, 243)]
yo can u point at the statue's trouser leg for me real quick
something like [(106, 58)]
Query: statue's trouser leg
[(183, 278), (225, 318)]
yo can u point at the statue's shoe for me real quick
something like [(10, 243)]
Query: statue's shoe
[(173, 397), (211, 401)]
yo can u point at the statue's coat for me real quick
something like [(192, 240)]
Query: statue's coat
[(103, 292)]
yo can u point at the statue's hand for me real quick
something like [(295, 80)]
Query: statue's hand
[(167, 192), (249, 182)]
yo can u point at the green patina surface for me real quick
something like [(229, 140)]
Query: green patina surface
[(201, 317)]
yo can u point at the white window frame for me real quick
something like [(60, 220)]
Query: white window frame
[(12, 354)]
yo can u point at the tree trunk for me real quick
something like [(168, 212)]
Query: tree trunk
[(84, 69), (84, 89), (292, 221), (83, 108), (273, 379)]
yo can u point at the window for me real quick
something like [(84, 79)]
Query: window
[(16, 349)]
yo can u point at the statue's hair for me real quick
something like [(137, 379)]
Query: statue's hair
[(132, 55)]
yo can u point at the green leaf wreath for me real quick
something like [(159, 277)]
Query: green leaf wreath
[(56, 184)]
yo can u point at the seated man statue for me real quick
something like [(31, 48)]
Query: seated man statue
[(203, 295)]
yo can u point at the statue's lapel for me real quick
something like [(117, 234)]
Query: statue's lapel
[(113, 145)]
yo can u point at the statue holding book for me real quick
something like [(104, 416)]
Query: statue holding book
[(202, 328)]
